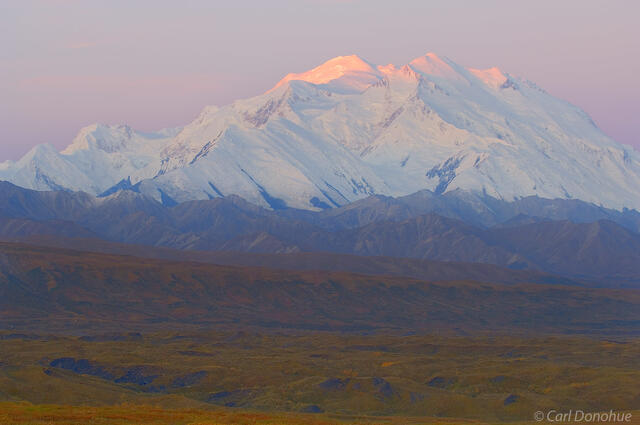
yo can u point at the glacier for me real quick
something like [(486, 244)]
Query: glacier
[(348, 129)]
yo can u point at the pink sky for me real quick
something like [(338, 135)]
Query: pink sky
[(68, 63)]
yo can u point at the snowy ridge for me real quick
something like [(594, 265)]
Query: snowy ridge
[(348, 129)]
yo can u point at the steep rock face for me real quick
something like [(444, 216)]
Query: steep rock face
[(348, 129)]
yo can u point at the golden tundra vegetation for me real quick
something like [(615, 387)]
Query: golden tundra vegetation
[(21, 413), (251, 377)]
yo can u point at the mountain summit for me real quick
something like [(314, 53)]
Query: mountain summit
[(333, 69), (348, 129)]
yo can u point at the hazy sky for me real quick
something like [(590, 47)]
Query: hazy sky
[(153, 64)]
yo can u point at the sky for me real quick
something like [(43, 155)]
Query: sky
[(65, 64)]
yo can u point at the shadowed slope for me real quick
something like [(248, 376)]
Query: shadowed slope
[(603, 252)]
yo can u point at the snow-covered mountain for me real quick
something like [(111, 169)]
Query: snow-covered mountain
[(348, 129)]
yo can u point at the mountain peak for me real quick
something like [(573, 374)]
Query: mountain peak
[(331, 70), (39, 151), (349, 62), (108, 138), (432, 65)]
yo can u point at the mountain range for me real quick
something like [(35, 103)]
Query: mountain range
[(349, 129), (571, 239)]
